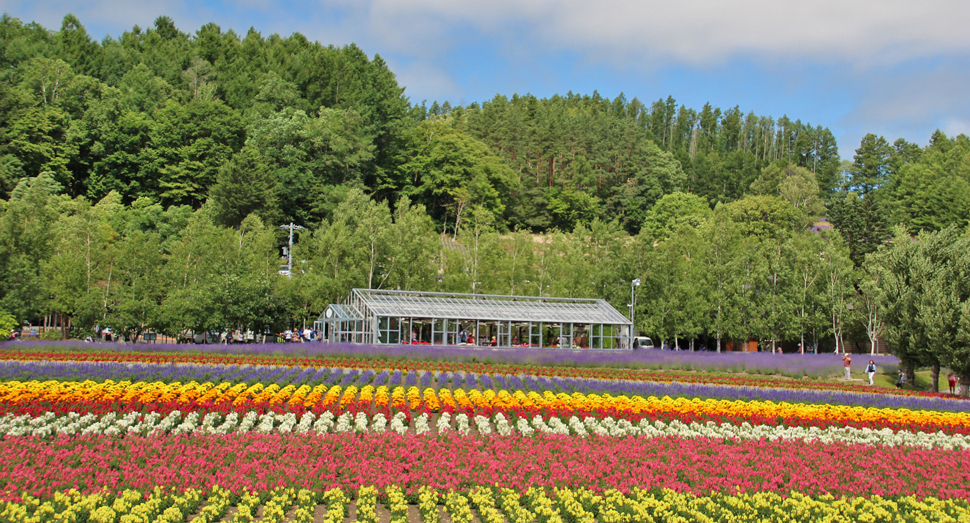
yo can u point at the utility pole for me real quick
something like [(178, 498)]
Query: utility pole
[(289, 251), (633, 300)]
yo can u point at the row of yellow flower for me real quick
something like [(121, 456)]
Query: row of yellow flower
[(399, 398), (133, 507), (492, 504)]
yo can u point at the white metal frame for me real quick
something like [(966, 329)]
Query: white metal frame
[(367, 315)]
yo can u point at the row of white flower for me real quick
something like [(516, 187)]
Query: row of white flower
[(135, 423)]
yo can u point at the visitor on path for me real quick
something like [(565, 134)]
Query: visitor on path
[(952, 379), (901, 379), (847, 364), (871, 371)]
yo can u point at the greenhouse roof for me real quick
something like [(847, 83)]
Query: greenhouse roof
[(343, 312), (416, 304)]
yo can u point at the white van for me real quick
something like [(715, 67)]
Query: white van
[(642, 342), (209, 337)]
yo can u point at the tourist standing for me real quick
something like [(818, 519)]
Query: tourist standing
[(847, 364), (871, 371), (952, 379)]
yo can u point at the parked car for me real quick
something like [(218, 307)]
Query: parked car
[(642, 342), (208, 337)]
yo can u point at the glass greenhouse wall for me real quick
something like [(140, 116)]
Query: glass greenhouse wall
[(435, 318)]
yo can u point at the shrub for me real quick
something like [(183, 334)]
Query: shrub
[(7, 323)]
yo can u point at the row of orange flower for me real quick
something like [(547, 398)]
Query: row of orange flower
[(478, 368), (125, 395)]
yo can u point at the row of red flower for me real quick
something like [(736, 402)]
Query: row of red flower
[(262, 462)]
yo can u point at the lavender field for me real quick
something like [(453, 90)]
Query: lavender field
[(792, 365)]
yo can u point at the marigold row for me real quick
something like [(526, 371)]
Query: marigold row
[(489, 504), (21, 397), (284, 376), (478, 368)]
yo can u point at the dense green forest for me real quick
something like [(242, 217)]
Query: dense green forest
[(144, 178)]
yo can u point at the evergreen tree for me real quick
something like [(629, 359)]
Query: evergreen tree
[(245, 185), (871, 163)]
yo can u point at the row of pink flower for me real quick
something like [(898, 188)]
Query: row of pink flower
[(261, 462)]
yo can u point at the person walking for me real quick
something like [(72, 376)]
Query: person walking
[(871, 371), (952, 379), (900, 379), (847, 364)]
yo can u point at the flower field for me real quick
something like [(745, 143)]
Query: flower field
[(113, 436)]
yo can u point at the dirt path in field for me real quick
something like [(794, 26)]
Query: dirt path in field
[(383, 514)]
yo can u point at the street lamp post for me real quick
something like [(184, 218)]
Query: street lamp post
[(289, 251), (633, 301)]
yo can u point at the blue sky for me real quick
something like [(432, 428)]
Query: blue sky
[(900, 69)]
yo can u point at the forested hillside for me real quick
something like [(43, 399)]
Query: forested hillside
[(627, 155), (157, 113), (144, 179)]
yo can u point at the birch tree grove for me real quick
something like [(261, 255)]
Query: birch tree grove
[(839, 290), (871, 311), (806, 254)]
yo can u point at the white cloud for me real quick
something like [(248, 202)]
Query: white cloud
[(904, 97), (905, 102), (694, 32), (101, 17), (435, 81), (954, 127)]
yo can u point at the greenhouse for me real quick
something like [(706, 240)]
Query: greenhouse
[(483, 320)]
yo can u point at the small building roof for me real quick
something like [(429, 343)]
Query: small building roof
[(448, 305)]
